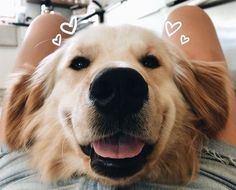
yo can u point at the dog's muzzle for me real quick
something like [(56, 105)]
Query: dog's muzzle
[(118, 96)]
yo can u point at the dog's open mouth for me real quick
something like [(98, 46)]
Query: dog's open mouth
[(117, 156)]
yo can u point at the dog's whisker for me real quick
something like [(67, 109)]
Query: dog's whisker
[(62, 148)]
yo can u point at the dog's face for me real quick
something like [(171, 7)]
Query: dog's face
[(119, 105)]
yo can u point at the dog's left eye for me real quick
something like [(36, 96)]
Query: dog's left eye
[(150, 61), (79, 63)]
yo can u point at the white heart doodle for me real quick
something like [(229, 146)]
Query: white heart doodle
[(171, 29), (73, 24), (57, 40), (184, 39)]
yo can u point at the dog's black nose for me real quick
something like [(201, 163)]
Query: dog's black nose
[(118, 91)]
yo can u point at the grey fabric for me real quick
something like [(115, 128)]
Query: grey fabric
[(218, 172)]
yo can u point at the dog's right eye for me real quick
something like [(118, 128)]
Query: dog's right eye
[(150, 61), (79, 63)]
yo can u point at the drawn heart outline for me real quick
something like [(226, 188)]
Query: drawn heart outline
[(72, 24), (57, 40), (184, 39), (171, 29)]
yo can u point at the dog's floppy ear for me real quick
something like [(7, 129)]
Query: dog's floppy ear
[(205, 86), (24, 97)]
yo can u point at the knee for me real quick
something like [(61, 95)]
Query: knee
[(193, 13), (49, 22), (37, 42), (198, 27)]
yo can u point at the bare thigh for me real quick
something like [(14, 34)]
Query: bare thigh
[(196, 24), (203, 45), (36, 45)]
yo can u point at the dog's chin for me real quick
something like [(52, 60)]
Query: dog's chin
[(118, 156)]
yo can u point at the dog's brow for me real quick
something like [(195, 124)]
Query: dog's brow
[(142, 49), (88, 50)]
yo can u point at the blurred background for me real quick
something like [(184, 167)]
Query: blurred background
[(16, 15)]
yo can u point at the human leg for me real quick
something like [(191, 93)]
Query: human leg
[(36, 45), (203, 45)]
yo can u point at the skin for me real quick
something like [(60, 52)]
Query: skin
[(203, 45), (202, 35)]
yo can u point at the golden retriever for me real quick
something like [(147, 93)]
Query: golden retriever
[(119, 105)]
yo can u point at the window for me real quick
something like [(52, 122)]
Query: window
[(7, 8)]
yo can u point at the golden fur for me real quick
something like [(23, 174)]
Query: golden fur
[(48, 110)]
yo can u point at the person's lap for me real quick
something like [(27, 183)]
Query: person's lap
[(15, 172), (217, 171)]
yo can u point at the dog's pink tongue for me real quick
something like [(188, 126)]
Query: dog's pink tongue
[(118, 147)]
